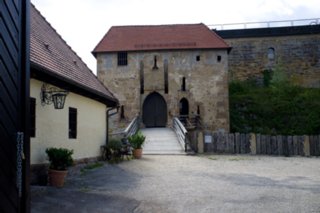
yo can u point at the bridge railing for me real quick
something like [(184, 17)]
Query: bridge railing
[(191, 122), (181, 133), (131, 129)]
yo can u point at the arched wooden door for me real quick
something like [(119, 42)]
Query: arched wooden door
[(154, 111)]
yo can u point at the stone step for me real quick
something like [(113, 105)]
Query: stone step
[(161, 141)]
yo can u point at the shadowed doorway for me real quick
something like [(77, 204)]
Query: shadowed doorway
[(154, 111), (184, 107)]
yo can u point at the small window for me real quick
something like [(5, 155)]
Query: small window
[(72, 122), (183, 85), (122, 112), (141, 78), (166, 77), (198, 58), (198, 110), (271, 54), (155, 66), (219, 58), (32, 117), (122, 58)]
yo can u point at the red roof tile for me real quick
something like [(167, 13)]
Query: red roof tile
[(49, 51), (160, 37)]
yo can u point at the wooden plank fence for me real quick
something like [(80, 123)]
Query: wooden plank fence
[(238, 143)]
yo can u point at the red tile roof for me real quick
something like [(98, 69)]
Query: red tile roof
[(50, 52), (160, 37)]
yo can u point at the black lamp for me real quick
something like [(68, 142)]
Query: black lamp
[(51, 95)]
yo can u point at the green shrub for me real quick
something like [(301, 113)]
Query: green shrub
[(137, 140), (279, 109), (113, 151), (59, 158), (114, 144)]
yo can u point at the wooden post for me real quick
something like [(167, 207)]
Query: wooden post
[(274, 147), (263, 144), (306, 146), (237, 141), (243, 143), (268, 145), (317, 145), (200, 142), (231, 143), (301, 145), (279, 143), (253, 144), (258, 142), (295, 145), (290, 146)]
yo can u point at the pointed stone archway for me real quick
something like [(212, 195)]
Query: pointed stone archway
[(154, 112)]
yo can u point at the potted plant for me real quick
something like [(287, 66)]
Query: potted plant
[(59, 159), (136, 141)]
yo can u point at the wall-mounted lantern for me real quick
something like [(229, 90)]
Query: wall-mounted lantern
[(51, 95)]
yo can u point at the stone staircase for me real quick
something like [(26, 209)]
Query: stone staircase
[(161, 141)]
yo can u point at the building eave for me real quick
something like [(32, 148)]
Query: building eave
[(42, 74)]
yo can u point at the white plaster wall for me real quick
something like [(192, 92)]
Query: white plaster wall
[(52, 126)]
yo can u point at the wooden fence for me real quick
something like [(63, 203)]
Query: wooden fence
[(236, 143)]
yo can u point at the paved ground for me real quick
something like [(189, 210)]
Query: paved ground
[(189, 184), (161, 141)]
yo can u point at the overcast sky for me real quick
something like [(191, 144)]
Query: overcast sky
[(83, 23)]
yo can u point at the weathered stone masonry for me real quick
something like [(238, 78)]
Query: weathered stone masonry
[(206, 80), (296, 51), (162, 71)]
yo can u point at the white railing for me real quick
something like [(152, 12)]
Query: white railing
[(181, 133), (265, 24), (131, 129)]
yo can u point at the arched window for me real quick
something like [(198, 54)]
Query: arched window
[(271, 53)]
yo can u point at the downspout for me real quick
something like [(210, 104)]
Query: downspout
[(107, 119)]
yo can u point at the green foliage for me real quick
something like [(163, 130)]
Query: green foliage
[(267, 76), (137, 140), (278, 77), (113, 151), (59, 158), (91, 167), (114, 144), (279, 109)]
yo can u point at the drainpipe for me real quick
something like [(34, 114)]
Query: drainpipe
[(107, 119)]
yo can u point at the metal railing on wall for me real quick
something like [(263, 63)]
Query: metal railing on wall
[(265, 24)]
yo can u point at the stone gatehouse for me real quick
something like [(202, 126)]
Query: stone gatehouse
[(159, 72)]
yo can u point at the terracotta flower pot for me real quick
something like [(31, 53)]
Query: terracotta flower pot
[(137, 153), (56, 177)]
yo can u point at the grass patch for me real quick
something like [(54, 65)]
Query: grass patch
[(85, 189), (238, 158), (212, 158), (91, 167)]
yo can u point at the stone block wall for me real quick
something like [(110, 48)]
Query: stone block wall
[(296, 51), (206, 80)]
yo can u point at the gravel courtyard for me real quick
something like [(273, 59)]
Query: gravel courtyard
[(206, 183)]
